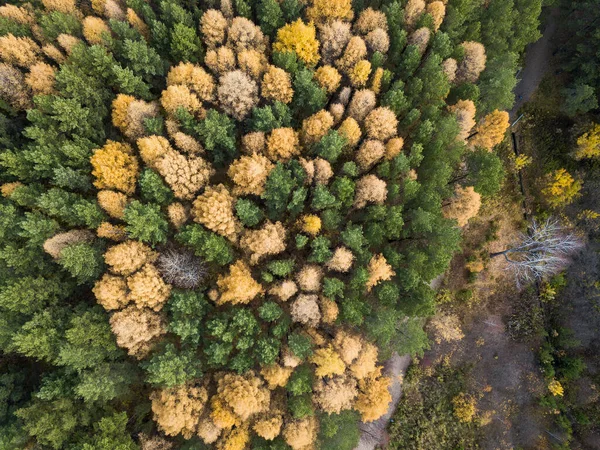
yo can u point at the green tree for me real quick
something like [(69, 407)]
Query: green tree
[(146, 222)]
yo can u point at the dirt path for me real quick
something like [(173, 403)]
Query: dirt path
[(375, 433), (537, 63)]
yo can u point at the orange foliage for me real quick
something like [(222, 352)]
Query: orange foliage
[(115, 167)]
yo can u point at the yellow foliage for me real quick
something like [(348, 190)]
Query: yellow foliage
[(177, 410), (305, 310), (119, 110), (249, 173), (234, 439), (556, 388), (68, 42), (221, 415), (282, 144), (53, 53), (373, 397), (379, 270), (311, 224), (370, 20), (267, 240), (184, 175), (253, 63), (152, 149), (341, 261), (350, 130), (300, 38), (137, 330), (446, 328), (463, 206), (359, 75), (19, 51), (588, 144), (147, 288), (321, 11), (309, 278), (560, 188), (213, 26), (238, 287), (277, 85), (370, 153), (246, 394), (354, 52), (347, 345), (207, 430), (41, 79), (136, 22), (254, 142), (465, 111), (17, 14), (329, 310), (180, 96), (113, 232), (366, 363), (328, 362), (276, 375), (300, 434), (195, 78), (490, 130), (328, 77), (93, 29), (214, 209), (178, 214), (128, 257), (63, 6), (437, 10), (113, 203), (336, 394), (115, 167), (377, 80), (221, 60), (316, 126), (370, 189), (393, 147), (412, 12), (7, 189), (57, 243), (111, 292), (464, 407), (268, 428)]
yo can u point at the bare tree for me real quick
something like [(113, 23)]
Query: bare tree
[(544, 251)]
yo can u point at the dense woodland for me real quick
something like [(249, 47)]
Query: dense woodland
[(218, 219)]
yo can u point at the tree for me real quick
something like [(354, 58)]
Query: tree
[(544, 251), (579, 99), (588, 144), (560, 188), (146, 222), (463, 206)]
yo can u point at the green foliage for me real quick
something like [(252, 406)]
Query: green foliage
[(248, 212), (330, 146), (301, 381), (146, 222), (339, 431), (281, 267), (280, 188), (270, 16), (320, 250), (269, 311), (173, 367), (300, 345), (309, 97), (301, 406), (322, 198), (270, 117), (485, 172), (83, 261), (217, 134), (333, 287), (206, 244), (153, 189)]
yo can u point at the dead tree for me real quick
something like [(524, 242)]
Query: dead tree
[(543, 251)]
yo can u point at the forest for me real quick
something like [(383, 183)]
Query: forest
[(219, 219)]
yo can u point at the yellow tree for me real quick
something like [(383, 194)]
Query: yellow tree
[(490, 131), (300, 38), (560, 188), (463, 206), (588, 144)]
